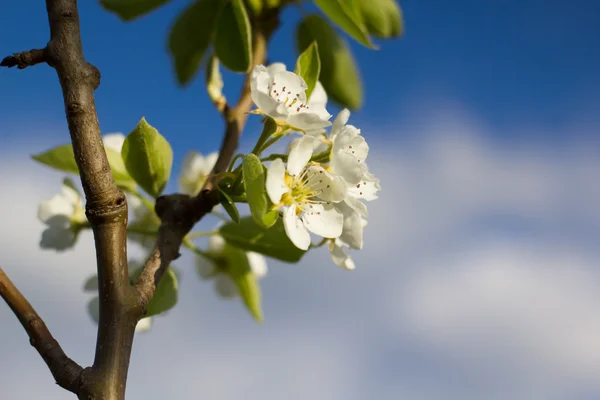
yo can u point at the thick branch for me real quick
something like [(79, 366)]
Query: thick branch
[(106, 207), (65, 371), (24, 59)]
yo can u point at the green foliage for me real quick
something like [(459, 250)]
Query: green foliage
[(191, 36), (383, 18), (148, 157), (229, 206), (166, 294), (246, 282), (61, 158), (272, 242), (233, 39), (254, 184), (345, 14), (131, 9), (308, 66), (339, 74)]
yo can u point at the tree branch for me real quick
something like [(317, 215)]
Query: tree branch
[(24, 59), (65, 371)]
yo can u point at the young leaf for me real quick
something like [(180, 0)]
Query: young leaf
[(344, 14), (91, 284), (272, 242), (233, 40), (148, 158), (214, 81), (308, 66), (165, 296), (131, 9), (339, 74), (382, 18), (229, 206), (94, 309), (119, 172), (245, 280), (190, 37), (254, 184), (61, 158)]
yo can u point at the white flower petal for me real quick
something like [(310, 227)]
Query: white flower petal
[(143, 325), (225, 287), (275, 68), (357, 205), (209, 162), (323, 220), (295, 229), (114, 141), (352, 231), (341, 120), (339, 257), (275, 182), (56, 205), (368, 188), (329, 187), (318, 97), (71, 195), (300, 155), (309, 120), (288, 85), (258, 264)]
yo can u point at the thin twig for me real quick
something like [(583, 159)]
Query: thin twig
[(65, 371)]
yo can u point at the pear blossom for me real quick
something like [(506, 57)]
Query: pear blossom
[(281, 95), (352, 237), (224, 284), (305, 192), (195, 170), (63, 215)]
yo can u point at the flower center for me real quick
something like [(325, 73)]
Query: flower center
[(304, 190), (284, 95)]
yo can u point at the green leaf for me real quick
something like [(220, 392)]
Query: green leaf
[(131, 9), (191, 36), (246, 282), (233, 40), (254, 184), (229, 206), (272, 242), (382, 18), (118, 169), (308, 66), (165, 296), (339, 73), (148, 157), (344, 14), (61, 158)]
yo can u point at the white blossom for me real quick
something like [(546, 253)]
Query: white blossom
[(143, 325), (63, 215), (195, 170), (217, 269), (281, 95), (114, 141), (306, 193)]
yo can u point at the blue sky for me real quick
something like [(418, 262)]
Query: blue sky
[(515, 63), (479, 277)]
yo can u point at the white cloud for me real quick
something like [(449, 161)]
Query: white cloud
[(439, 306)]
